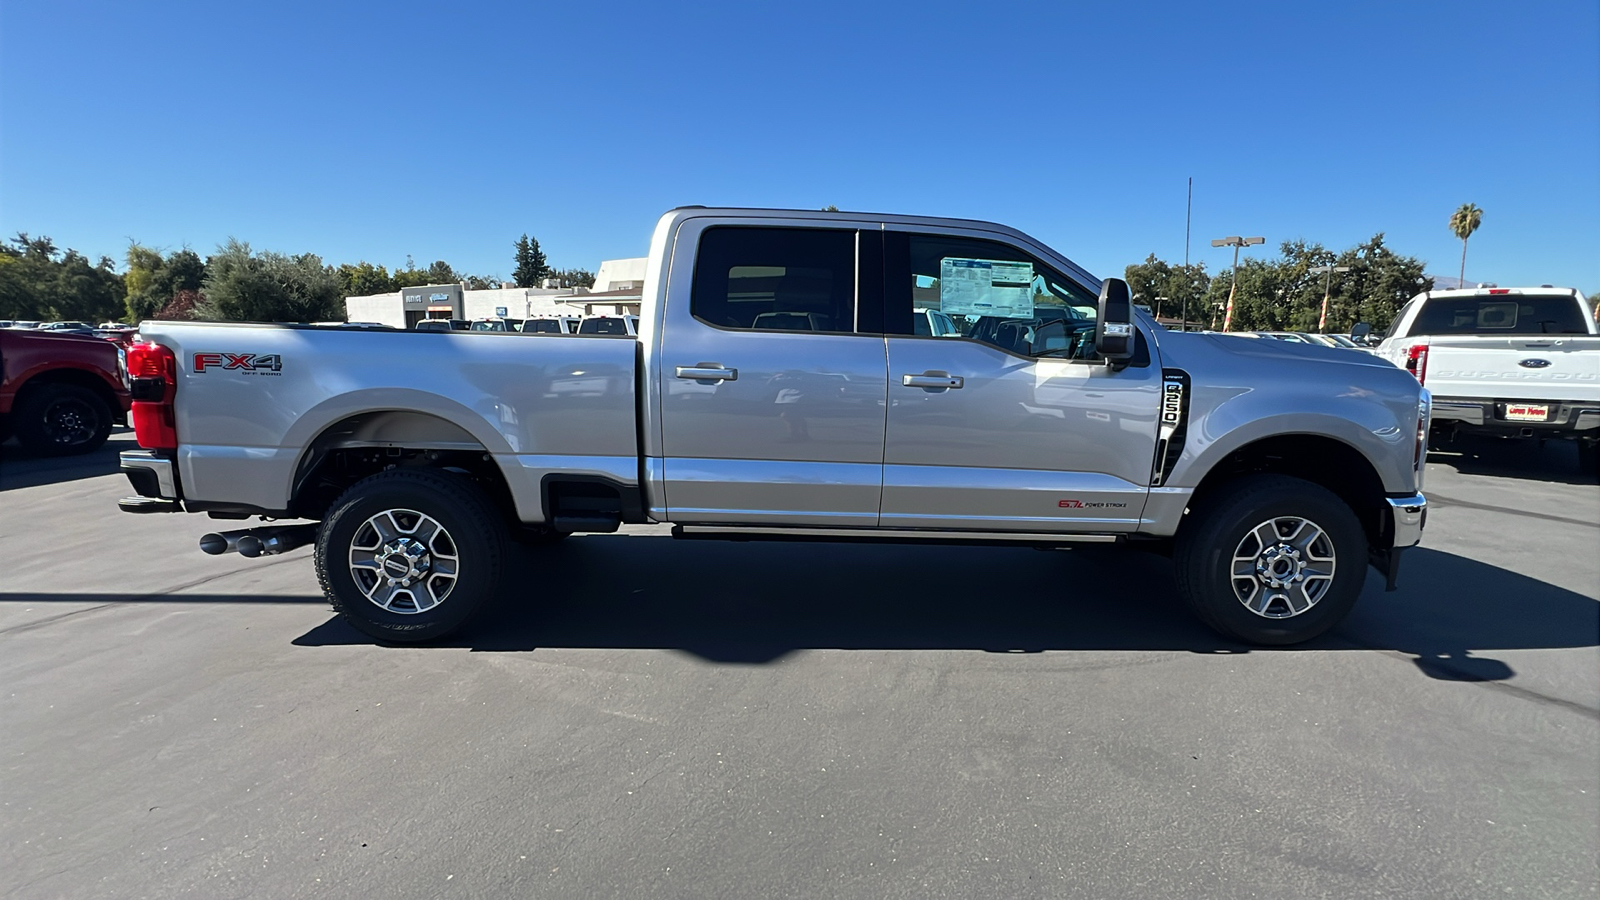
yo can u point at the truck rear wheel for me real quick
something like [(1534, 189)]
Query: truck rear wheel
[(61, 419), (410, 555), (1271, 560)]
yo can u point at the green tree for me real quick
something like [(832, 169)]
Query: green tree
[(531, 265), (1463, 222), (410, 276), (364, 279), (1284, 295), (441, 273), (40, 281), (153, 280), (242, 285), (481, 282), (1170, 290), (571, 278)]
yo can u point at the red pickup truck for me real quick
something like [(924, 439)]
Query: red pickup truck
[(61, 393)]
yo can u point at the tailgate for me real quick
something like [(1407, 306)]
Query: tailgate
[(1522, 368)]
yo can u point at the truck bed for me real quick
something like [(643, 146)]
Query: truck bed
[(260, 398)]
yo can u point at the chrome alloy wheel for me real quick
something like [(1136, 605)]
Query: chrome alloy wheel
[(1283, 567), (404, 561)]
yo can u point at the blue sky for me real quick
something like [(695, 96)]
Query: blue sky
[(376, 130)]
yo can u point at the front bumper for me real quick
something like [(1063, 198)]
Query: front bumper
[(1407, 515), (155, 478)]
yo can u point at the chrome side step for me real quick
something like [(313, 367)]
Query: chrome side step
[(895, 535)]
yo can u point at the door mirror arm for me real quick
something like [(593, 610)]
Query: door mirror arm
[(1114, 330)]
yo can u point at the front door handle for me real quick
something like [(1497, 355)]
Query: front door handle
[(931, 380), (707, 372)]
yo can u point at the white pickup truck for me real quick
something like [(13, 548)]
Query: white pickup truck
[(780, 387), (1509, 362)]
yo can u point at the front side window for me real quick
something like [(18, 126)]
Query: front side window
[(997, 294), (775, 279)]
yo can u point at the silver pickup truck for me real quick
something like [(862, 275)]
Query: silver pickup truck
[(779, 388)]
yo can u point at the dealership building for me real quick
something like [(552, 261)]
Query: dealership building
[(617, 289)]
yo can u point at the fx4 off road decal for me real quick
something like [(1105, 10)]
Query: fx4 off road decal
[(239, 363)]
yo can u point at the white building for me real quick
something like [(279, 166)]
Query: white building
[(619, 281)]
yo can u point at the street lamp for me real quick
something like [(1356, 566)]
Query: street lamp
[(1327, 288), (1235, 242)]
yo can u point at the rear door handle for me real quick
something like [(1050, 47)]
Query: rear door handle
[(931, 380), (707, 372)]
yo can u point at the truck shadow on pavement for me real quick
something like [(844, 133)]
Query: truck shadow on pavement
[(19, 469), (1553, 461), (732, 603)]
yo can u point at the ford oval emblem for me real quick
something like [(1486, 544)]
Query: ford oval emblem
[(1534, 363)]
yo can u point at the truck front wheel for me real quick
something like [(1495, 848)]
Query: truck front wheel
[(410, 555), (1270, 559)]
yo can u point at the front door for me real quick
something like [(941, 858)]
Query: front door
[(772, 402), (1015, 425)]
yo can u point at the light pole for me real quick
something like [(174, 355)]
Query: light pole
[(1235, 242), (1327, 288)]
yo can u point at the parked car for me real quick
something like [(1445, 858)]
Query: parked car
[(1273, 475), (60, 393), (1506, 362), (609, 325), (497, 325), (443, 325), (550, 325)]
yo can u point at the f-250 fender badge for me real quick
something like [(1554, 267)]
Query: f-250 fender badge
[(241, 363)]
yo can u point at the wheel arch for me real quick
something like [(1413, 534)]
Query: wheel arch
[(1318, 458), (77, 377), (363, 443)]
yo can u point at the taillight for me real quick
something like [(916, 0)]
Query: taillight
[(1417, 362), (153, 371)]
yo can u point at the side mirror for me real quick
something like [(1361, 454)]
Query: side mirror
[(1361, 333), (1113, 333)]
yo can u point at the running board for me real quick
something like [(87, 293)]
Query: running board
[(887, 535)]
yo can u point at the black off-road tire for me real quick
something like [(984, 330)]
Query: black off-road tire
[(1205, 546), (61, 420), (476, 531), (1587, 457)]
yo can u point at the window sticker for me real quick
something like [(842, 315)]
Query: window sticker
[(986, 287)]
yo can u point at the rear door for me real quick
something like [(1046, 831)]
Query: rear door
[(1017, 426), (772, 394)]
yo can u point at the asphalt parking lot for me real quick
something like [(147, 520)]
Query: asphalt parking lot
[(643, 717)]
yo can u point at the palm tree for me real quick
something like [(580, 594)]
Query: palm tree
[(1464, 222)]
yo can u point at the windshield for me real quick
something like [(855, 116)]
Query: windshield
[(1502, 314)]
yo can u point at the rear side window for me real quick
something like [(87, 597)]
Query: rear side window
[(775, 279), (1505, 314)]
